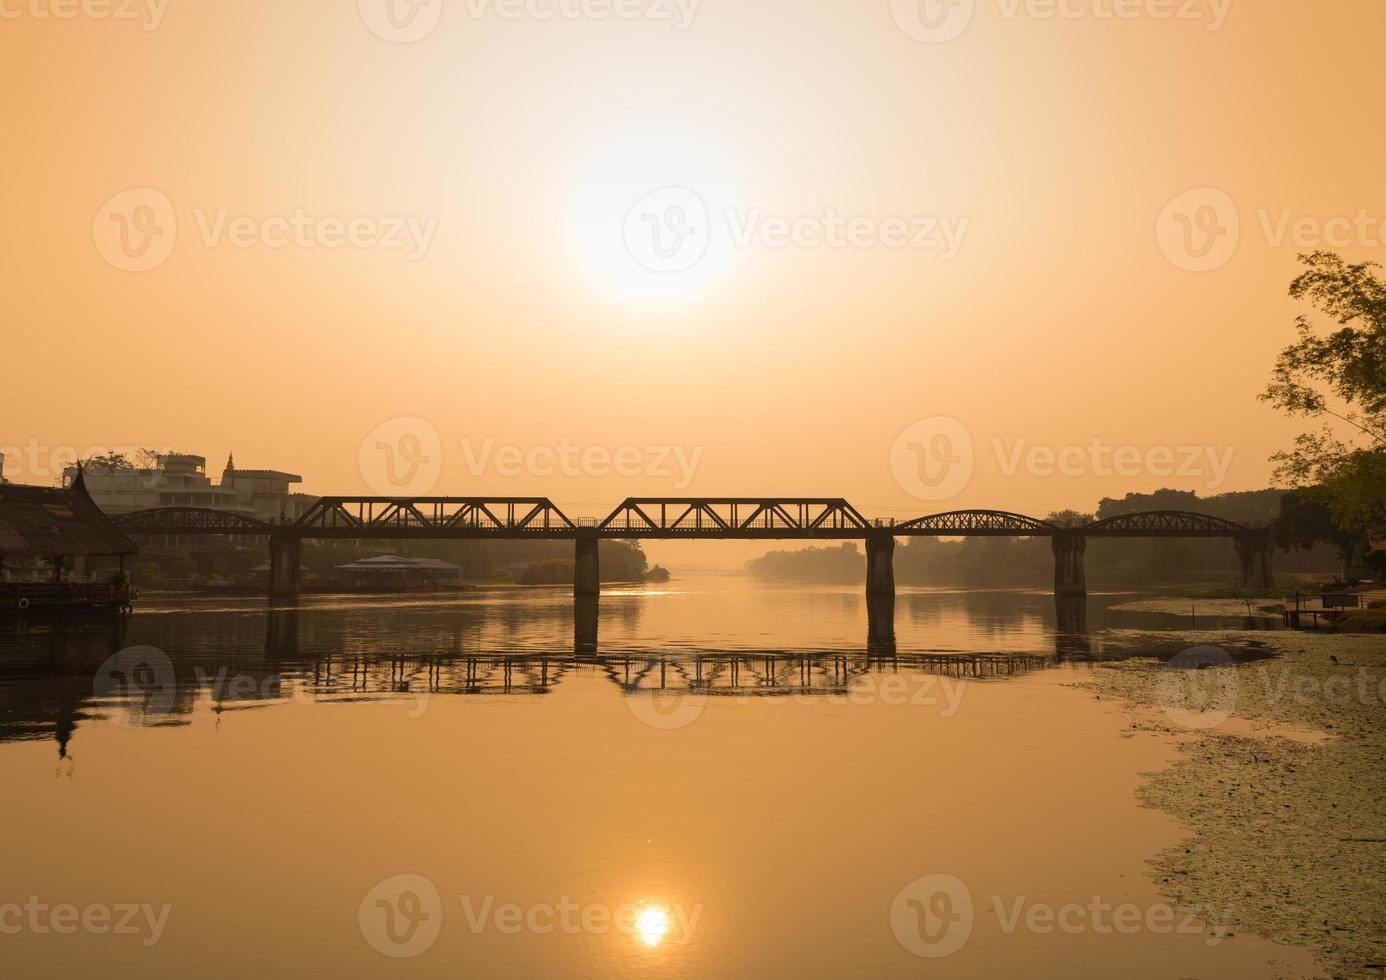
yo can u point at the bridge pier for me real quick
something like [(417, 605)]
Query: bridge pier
[(880, 564), (1070, 576), (281, 633), (880, 624), (587, 578), (1071, 615), (586, 621), (285, 555), (1254, 550)]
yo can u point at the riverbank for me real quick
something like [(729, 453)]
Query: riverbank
[(1281, 782), (1195, 607)]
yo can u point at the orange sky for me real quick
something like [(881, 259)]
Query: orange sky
[(522, 142)]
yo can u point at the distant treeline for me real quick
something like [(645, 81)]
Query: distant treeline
[(1115, 562), (480, 561)]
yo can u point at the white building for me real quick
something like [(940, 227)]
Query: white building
[(180, 480)]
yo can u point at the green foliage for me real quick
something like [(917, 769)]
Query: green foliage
[(1345, 366), (1305, 521)]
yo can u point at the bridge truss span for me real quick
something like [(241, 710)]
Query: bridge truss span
[(735, 517), (973, 523), (434, 517), (1166, 523), (189, 521)]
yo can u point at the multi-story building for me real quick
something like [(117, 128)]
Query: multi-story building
[(181, 480)]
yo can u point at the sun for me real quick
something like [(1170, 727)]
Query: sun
[(648, 220)]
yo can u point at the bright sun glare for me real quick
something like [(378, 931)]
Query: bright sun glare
[(647, 220), (653, 925)]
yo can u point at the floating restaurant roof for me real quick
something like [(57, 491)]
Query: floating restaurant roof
[(48, 522), (394, 563)]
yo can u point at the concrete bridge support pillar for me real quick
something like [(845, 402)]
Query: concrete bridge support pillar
[(1254, 550), (880, 564), (285, 555), (880, 624), (587, 578), (281, 633), (1070, 577), (586, 621)]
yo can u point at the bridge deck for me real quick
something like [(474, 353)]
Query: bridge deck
[(721, 518)]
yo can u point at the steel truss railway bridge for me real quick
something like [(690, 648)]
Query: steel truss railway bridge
[(686, 518)]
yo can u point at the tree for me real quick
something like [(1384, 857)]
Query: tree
[(1342, 376), (108, 463), (1305, 522)]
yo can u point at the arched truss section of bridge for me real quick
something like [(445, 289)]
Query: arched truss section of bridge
[(1166, 523), (735, 517), (440, 516), (964, 523), (189, 521)]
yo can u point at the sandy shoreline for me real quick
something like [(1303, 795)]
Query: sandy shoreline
[(1284, 794), (1177, 606)]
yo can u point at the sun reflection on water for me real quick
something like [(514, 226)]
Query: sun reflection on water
[(652, 925)]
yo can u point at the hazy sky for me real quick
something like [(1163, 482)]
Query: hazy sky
[(557, 235)]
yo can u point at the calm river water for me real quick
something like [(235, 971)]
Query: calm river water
[(708, 779)]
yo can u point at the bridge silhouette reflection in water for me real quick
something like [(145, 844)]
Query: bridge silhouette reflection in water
[(54, 682)]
